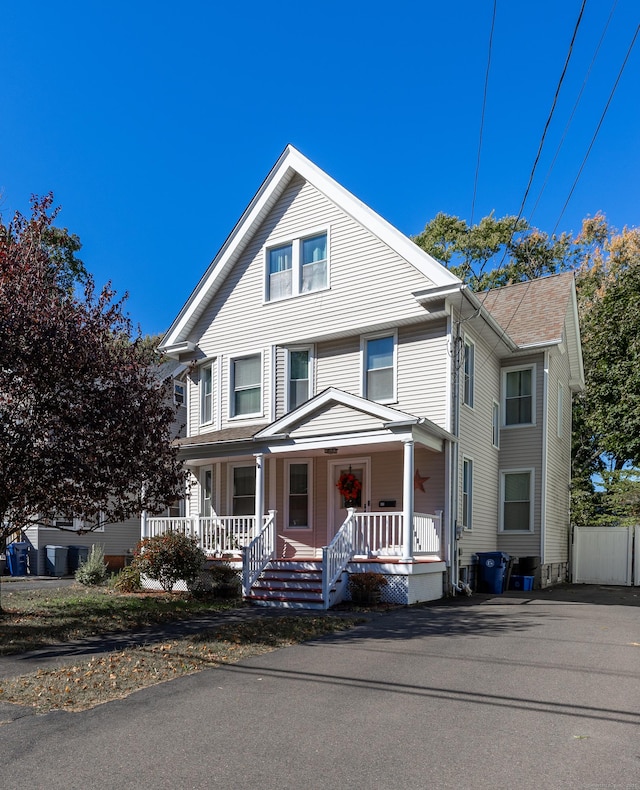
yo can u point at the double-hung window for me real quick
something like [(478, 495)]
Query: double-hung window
[(246, 384), (206, 393), (467, 493), (179, 391), (379, 368), (297, 267), (516, 500), (518, 387), (298, 501), (299, 377), (469, 371), (244, 490)]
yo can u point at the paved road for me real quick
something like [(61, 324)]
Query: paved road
[(518, 691)]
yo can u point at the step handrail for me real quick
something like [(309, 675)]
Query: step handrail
[(337, 555), (258, 553)]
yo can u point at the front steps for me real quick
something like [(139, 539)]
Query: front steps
[(290, 584)]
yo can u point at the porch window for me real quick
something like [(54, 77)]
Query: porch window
[(206, 394), (246, 375), (206, 487), (379, 357), (297, 267), (467, 493), (299, 389), (469, 371), (298, 478), (518, 396), (517, 501), (244, 490)]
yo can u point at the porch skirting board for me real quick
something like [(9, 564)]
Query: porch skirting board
[(407, 583)]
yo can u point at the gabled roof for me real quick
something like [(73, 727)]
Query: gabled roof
[(290, 163)]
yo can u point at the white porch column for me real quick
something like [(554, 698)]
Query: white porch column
[(143, 525), (259, 491), (407, 501)]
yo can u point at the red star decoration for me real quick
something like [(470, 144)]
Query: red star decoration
[(419, 481)]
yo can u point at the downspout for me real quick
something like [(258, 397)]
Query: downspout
[(456, 335), (545, 457)]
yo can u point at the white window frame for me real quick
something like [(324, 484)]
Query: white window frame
[(467, 493), (232, 388), (288, 464), (179, 393), (560, 411), (202, 417), (517, 369), (230, 479), (72, 524), (297, 264), (310, 392), (503, 475), (364, 343), (495, 424), (202, 477), (469, 372)]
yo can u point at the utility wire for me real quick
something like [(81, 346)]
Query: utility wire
[(484, 104), (544, 133), (595, 134), (573, 111)]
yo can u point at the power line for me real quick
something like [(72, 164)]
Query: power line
[(484, 104), (595, 134), (573, 111)]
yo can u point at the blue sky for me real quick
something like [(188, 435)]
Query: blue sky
[(154, 123)]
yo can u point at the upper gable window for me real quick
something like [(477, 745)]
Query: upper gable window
[(246, 385), (518, 398), (297, 267), (379, 368)]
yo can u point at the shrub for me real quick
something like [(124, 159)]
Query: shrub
[(366, 587), (218, 581), (169, 558), (127, 580), (93, 571)]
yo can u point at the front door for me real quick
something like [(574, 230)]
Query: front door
[(338, 502)]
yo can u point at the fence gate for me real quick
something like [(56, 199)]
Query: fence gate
[(605, 555)]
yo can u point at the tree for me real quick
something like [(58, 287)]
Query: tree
[(84, 421)]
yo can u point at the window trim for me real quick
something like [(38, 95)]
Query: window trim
[(495, 424), (71, 524), (364, 341), (467, 494), (232, 390), (230, 480), (311, 362), (296, 243), (532, 476), (204, 471), (208, 365), (289, 462), (516, 369), (469, 373), (181, 385)]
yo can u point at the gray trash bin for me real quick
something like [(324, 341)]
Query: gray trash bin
[(57, 560), (76, 556)]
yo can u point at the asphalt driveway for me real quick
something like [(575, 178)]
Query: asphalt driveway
[(524, 690)]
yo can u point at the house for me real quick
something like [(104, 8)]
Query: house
[(323, 346), (117, 540)]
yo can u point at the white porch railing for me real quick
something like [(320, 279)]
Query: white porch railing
[(381, 534), (216, 535), (258, 553), (336, 556)]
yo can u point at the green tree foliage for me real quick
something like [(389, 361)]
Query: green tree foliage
[(168, 559), (85, 425)]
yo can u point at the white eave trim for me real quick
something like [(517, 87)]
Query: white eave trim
[(175, 350)]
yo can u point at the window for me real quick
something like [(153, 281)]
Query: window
[(298, 480), (560, 417), (495, 424), (206, 487), (206, 394), (178, 393), (70, 524), (518, 396), (467, 493), (517, 501), (297, 267), (299, 383), (244, 490), (379, 360), (246, 383), (469, 371)]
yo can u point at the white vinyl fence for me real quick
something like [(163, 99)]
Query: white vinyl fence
[(605, 555)]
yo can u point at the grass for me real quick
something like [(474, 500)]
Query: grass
[(36, 618)]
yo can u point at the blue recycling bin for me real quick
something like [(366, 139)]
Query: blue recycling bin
[(492, 571), (76, 556), (17, 554)]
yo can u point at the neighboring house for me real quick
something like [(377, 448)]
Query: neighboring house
[(117, 540), (322, 342)]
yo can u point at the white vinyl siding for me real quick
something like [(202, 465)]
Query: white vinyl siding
[(467, 493)]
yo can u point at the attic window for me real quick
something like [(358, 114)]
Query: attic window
[(296, 267)]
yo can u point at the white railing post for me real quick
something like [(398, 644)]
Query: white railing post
[(407, 501), (259, 490)]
